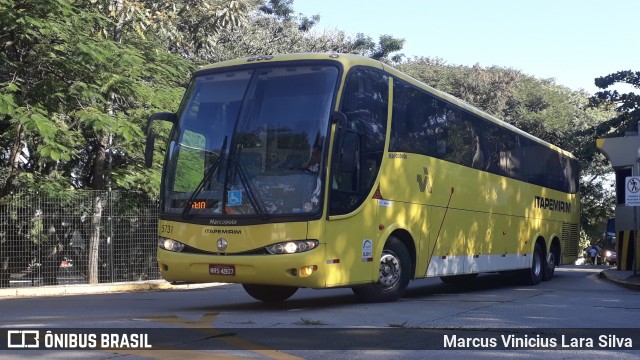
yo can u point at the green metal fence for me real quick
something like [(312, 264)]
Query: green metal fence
[(47, 240)]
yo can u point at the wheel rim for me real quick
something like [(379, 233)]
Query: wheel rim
[(551, 262), (389, 270), (537, 267)]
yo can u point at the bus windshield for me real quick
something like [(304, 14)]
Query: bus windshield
[(250, 143)]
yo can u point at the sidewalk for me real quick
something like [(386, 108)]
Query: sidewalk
[(56, 290), (622, 277)]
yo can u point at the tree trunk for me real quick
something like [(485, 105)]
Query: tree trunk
[(98, 170), (5, 274), (97, 184), (94, 239), (14, 161)]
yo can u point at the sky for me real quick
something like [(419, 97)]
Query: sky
[(570, 41)]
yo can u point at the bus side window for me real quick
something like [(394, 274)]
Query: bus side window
[(509, 155), (365, 104), (479, 147), (461, 145)]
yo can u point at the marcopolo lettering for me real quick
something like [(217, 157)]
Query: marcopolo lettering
[(552, 204)]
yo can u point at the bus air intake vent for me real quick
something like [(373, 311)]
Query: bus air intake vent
[(570, 234)]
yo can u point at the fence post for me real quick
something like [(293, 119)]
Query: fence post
[(110, 239)]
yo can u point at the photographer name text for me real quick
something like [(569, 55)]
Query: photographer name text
[(605, 341)]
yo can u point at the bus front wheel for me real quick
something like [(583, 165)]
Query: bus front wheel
[(393, 276), (270, 293)]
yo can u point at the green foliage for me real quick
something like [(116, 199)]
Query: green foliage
[(381, 51), (627, 105), (283, 11), (267, 35), (68, 85), (623, 112), (184, 27)]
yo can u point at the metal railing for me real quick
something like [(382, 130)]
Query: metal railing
[(47, 240)]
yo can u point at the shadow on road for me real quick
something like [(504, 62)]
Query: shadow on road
[(421, 288)]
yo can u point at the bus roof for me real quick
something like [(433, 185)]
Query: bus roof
[(349, 60)]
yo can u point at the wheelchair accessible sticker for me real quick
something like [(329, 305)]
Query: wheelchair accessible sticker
[(234, 198)]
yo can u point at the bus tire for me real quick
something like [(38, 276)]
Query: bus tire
[(550, 264), (269, 293), (534, 275), (393, 277)]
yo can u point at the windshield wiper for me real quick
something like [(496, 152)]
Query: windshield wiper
[(207, 176)]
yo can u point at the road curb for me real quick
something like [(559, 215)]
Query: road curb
[(622, 282), (61, 290)]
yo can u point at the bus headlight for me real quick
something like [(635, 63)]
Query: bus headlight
[(291, 247), (170, 244)]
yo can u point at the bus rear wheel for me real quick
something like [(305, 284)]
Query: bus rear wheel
[(534, 275), (550, 267), (393, 276), (270, 293)]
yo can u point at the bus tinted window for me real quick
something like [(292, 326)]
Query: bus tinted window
[(365, 103), (424, 124), (410, 120)]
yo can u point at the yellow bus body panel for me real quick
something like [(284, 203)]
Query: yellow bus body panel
[(470, 217)]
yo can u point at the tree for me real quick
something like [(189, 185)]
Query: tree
[(184, 27), (283, 11), (381, 51), (44, 52), (72, 97), (627, 105), (38, 39), (264, 34), (623, 115)]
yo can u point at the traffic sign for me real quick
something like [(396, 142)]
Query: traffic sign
[(632, 191)]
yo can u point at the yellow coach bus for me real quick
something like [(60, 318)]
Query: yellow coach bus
[(335, 170)]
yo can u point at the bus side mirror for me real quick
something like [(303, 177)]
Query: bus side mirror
[(339, 118), (151, 136)]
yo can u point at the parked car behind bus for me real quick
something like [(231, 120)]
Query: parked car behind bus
[(607, 244)]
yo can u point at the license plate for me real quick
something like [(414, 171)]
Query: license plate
[(218, 269)]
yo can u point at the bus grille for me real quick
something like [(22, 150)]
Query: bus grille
[(570, 237)]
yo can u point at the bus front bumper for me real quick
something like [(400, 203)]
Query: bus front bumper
[(300, 270)]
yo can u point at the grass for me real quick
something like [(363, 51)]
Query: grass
[(308, 322)]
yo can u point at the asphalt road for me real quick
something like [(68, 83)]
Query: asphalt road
[(224, 322)]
